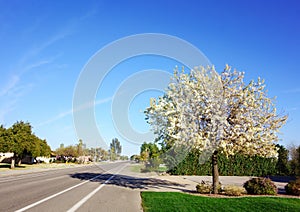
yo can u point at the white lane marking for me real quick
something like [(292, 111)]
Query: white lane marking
[(86, 198), (59, 193)]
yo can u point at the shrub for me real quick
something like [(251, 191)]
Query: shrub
[(147, 168), (206, 187), (293, 187), (260, 185), (235, 165), (233, 190)]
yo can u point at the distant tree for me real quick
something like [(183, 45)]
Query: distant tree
[(68, 151), (295, 160), (135, 158), (115, 149), (20, 140), (150, 154), (148, 151), (97, 153), (144, 156), (60, 151), (124, 157), (216, 113), (71, 151), (282, 166), (103, 154), (5, 139), (80, 148)]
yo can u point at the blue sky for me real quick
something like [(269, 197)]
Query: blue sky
[(44, 46)]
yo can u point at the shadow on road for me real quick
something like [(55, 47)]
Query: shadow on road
[(129, 181)]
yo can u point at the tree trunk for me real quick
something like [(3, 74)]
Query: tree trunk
[(215, 172), (19, 162), (12, 164)]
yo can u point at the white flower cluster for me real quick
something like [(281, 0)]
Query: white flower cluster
[(209, 112)]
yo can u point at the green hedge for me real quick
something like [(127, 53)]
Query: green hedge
[(237, 165)]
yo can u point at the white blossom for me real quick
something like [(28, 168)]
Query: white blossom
[(208, 111)]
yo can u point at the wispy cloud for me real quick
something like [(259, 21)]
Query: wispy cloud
[(290, 91), (12, 82), (14, 85), (74, 110), (15, 88), (55, 118), (34, 51), (30, 61), (37, 64), (88, 14), (10, 95), (293, 108)]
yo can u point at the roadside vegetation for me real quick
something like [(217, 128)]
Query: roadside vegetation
[(79, 153), (21, 141), (19, 146)]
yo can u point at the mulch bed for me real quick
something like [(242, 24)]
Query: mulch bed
[(244, 195)]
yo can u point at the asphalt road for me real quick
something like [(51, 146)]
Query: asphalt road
[(87, 188), (106, 187)]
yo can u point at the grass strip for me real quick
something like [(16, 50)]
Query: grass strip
[(174, 201)]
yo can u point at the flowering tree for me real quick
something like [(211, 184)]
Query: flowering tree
[(216, 113)]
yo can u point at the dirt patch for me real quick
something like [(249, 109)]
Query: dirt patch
[(242, 196)]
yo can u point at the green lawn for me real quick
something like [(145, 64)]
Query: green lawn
[(139, 168), (173, 201), (136, 167)]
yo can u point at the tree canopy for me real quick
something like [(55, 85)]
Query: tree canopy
[(20, 140), (216, 113), (148, 151), (75, 151)]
